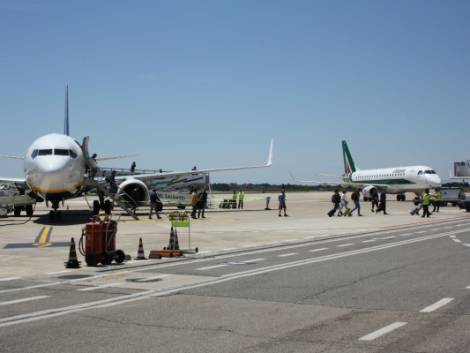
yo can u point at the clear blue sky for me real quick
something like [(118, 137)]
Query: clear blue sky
[(207, 83)]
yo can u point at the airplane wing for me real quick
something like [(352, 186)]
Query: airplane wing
[(98, 159), (200, 171), (11, 157), (12, 180)]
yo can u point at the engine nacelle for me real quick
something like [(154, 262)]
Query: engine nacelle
[(133, 191), (368, 191)]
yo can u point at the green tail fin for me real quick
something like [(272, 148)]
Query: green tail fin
[(349, 166)]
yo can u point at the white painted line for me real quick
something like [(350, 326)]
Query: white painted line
[(457, 240), (390, 237), (288, 254), (467, 287), (148, 279), (320, 249), (453, 237), (467, 245), (405, 235), (99, 287), (383, 331), (288, 240), (369, 241), (420, 232), (58, 272), (436, 305), (17, 301), (211, 267), (343, 245), (434, 229), (228, 249), (5, 279), (254, 260)]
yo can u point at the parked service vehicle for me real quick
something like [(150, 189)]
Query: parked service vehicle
[(465, 204), (452, 196)]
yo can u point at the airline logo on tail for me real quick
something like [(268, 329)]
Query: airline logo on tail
[(349, 166)]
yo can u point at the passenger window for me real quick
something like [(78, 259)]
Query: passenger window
[(61, 152), (34, 154), (45, 152)]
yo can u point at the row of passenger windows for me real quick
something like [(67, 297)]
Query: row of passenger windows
[(380, 176), (55, 151)]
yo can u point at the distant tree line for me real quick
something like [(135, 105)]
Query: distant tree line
[(266, 187)]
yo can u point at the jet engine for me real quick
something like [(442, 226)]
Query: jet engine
[(368, 192), (134, 192)]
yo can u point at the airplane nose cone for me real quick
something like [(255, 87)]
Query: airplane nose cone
[(434, 180), (52, 175)]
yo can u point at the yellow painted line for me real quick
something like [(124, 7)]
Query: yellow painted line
[(43, 237)]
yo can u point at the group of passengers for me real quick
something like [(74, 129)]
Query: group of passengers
[(341, 203)]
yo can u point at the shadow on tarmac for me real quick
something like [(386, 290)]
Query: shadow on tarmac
[(67, 217)]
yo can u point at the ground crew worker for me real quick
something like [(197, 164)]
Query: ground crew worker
[(426, 203), (241, 197), (194, 200), (282, 203), (268, 199), (437, 200), (155, 204), (234, 199), (202, 204)]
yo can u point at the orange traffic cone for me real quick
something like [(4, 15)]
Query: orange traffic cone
[(72, 261), (173, 244), (140, 251)]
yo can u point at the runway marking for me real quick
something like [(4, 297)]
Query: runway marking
[(23, 300), (246, 262), (453, 237), (383, 331), (434, 229), (420, 232), (55, 312), (320, 249), (228, 249), (468, 245), (58, 272), (405, 235), (87, 289), (211, 267), (288, 254), (343, 245), (467, 287), (369, 241), (390, 237), (43, 237), (457, 240), (5, 279), (436, 305)]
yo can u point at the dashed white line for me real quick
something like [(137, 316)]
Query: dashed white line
[(405, 235), (5, 279), (320, 249), (467, 287), (10, 302), (383, 331), (390, 237), (211, 267), (467, 245), (228, 249), (99, 287), (420, 232), (436, 305), (453, 237), (343, 245), (288, 254), (369, 241), (457, 240)]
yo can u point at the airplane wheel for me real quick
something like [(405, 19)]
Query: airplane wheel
[(119, 256), (29, 211)]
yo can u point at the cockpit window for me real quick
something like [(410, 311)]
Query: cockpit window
[(45, 152), (429, 172), (34, 154), (73, 154), (61, 152), (420, 172)]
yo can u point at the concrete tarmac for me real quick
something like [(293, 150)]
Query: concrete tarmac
[(371, 284)]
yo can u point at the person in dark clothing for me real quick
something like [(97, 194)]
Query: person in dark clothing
[(282, 203), (375, 199), (382, 203), (335, 199), (202, 204), (418, 202), (133, 165), (155, 204), (355, 197)]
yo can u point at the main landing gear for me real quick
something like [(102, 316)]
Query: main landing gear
[(106, 206)]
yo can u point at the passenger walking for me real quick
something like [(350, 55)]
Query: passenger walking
[(418, 202), (202, 204), (436, 200), (382, 203), (241, 198), (344, 209), (426, 203), (355, 197), (194, 200), (282, 203), (155, 204), (335, 199), (375, 199)]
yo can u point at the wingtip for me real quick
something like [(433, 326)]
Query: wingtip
[(270, 156)]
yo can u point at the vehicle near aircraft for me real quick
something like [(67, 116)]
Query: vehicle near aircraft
[(57, 167), (393, 180)]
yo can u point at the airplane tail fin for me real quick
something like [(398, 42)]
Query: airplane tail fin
[(66, 112), (349, 166)]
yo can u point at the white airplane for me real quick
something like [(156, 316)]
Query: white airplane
[(58, 167), (393, 180)]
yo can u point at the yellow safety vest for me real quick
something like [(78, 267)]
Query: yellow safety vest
[(241, 195), (426, 199)]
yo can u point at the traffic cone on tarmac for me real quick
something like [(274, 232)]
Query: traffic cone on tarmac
[(140, 251), (72, 261), (173, 244)]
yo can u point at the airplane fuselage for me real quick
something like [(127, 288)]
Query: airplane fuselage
[(396, 180), (54, 167)]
